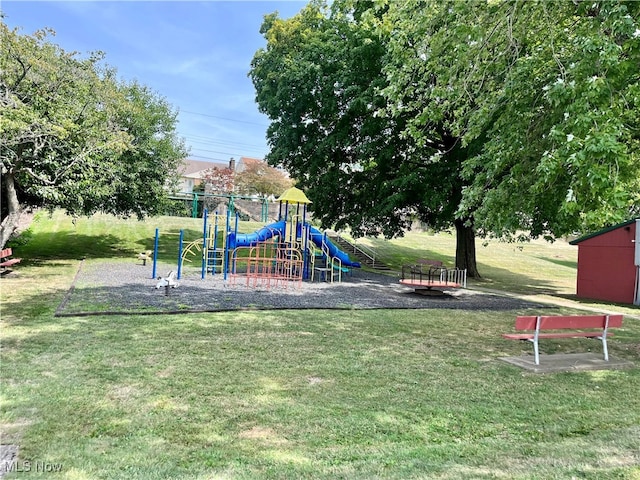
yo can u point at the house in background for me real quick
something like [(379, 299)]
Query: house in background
[(192, 173), (609, 264), (245, 162)]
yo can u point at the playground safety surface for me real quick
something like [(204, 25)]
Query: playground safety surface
[(125, 288)]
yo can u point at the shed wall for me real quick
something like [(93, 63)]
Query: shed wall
[(606, 269)]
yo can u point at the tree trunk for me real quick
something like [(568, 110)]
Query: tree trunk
[(11, 222), (466, 249)]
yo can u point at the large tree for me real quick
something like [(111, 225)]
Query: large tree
[(432, 88), (320, 80), (147, 169), (546, 95), (73, 137)]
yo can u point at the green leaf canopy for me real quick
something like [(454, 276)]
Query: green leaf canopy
[(320, 81), (73, 137), (545, 93)]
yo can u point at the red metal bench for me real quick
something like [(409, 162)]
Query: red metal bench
[(583, 326), (6, 261)]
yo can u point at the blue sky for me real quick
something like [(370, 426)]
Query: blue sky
[(195, 54)]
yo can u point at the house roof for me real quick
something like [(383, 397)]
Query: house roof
[(250, 160), (192, 167), (603, 231)]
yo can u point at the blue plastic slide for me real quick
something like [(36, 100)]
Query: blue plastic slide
[(249, 239), (278, 228), (318, 237)]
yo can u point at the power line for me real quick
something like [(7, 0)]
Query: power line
[(227, 147), (225, 143), (237, 151), (214, 151), (255, 150), (222, 160), (224, 118)]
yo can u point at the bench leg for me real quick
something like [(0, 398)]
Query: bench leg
[(536, 352), (604, 348)]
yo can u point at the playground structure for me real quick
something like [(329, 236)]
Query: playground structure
[(430, 278), (279, 254)]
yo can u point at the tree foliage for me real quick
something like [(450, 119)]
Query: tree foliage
[(147, 169), (259, 178), (544, 93), (320, 80), (219, 180), (503, 117), (73, 137)]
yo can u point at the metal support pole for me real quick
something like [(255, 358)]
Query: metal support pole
[(305, 259), (605, 350), (232, 205), (215, 243), (536, 351), (180, 254), (205, 253), (155, 253), (194, 206), (225, 260), (286, 219)]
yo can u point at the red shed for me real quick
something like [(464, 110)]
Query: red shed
[(609, 264)]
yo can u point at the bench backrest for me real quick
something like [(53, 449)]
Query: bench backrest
[(6, 253), (574, 322)]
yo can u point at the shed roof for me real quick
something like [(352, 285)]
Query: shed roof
[(603, 231)]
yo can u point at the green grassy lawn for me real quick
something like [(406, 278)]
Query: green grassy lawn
[(58, 236), (537, 267), (531, 268), (297, 394)]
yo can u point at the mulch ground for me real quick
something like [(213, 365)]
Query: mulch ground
[(127, 288)]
